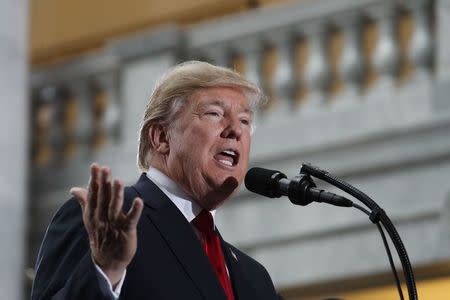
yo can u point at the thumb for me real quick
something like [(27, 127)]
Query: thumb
[(80, 194)]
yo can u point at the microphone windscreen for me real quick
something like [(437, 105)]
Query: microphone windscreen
[(263, 181)]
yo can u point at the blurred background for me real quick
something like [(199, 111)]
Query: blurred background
[(358, 87)]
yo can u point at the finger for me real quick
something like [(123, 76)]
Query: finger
[(115, 207), (81, 195), (104, 194), (135, 212), (93, 186)]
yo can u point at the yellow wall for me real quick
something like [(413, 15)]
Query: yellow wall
[(433, 289), (66, 28), (427, 289), (432, 282), (61, 29)]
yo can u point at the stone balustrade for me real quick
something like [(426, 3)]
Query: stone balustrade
[(332, 51), (306, 57), (76, 107)]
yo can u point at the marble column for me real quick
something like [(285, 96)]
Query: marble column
[(13, 145)]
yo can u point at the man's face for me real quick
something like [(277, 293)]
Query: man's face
[(209, 145)]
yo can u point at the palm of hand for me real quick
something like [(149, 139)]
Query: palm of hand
[(112, 233)]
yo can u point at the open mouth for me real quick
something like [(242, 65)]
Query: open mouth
[(227, 157)]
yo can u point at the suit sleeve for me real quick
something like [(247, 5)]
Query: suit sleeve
[(64, 267)]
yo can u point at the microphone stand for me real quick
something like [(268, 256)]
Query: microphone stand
[(376, 215)]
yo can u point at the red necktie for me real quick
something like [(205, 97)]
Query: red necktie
[(211, 244)]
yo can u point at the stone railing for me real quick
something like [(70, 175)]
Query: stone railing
[(76, 108), (315, 54), (356, 86), (306, 57)]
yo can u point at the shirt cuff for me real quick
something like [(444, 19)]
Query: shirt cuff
[(105, 284)]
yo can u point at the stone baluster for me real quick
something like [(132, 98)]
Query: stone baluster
[(54, 96), (252, 52), (69, 120), (300, 58), (350, 65), (44, 111), (280, 86), (316, 74), (386, 57), (421, 49), (285, 76), (84, 124), (105, 86)]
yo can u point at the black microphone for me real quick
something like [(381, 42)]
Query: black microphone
[(301, 189)]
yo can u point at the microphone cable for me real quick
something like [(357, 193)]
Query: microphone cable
[(388, 251)]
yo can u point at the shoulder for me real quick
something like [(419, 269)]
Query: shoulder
[(65, 226), (67, 217)]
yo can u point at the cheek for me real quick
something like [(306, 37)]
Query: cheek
[(196, 146), (203, 139), (246, 148)]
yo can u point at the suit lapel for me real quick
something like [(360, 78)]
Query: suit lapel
[(180, 237), (242, 287)]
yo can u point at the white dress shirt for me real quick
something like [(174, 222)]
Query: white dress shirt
[(189, 208)]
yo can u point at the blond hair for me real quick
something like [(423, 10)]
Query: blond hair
[(173, 90)]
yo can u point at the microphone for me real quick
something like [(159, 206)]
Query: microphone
[(301, 189)]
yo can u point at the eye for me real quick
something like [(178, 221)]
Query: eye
[(245, 121), (213, 113)]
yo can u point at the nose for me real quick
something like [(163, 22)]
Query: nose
[(233, 130)]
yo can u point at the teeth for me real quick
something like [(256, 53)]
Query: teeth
[(226, 162), (230, 152)]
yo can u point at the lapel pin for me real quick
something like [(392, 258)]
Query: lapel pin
[(234, 255)]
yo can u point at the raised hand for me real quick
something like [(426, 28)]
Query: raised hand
[(112, 233)]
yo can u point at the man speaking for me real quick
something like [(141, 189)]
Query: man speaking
[(157, 239)]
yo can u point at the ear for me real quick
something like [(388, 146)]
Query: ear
[(159, 139)]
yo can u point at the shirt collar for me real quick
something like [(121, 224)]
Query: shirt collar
[(188, 207)]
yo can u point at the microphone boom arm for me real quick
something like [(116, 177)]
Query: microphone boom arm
[(377, 215)]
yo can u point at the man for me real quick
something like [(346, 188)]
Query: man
[(157, 239)]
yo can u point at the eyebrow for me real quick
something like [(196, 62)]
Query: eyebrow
[(221, 103)]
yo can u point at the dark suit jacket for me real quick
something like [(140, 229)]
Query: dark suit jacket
[(169, 263)]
